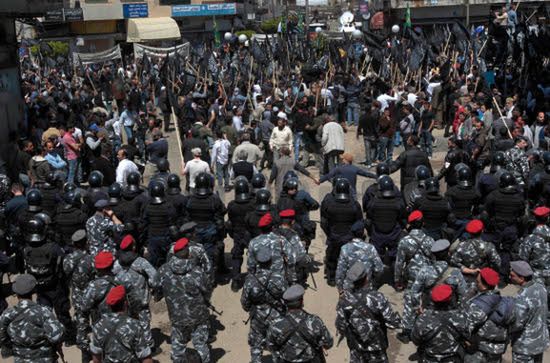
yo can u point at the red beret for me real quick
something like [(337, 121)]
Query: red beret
[(442, 293), (265, 221), (115, 295), (474, 227), (180, 244), (490, 276), (126, 242), (104, 260), (287, 213), (541, 212), (415, 215)]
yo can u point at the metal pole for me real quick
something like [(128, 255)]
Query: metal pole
[(467, 13)]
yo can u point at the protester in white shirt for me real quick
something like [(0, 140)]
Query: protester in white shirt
[(125, 167), (220, 159), (280, 136), (194, 167), (385, 99)]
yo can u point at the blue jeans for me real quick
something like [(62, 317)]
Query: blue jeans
[(73, 165), (222, 173), (385, 149), (352, 114), (397, 139), (129, 131), (297, 142), (426, 139), (370, 149)]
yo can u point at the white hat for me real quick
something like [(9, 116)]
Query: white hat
[(196, 151), (162, 88), (257, 88), (282, 115)]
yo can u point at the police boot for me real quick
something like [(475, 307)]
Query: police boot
[(221, 267), (405, 336), (237, 280), (86, 356)]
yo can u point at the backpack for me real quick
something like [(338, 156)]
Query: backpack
[(41, 262), (83, 272)]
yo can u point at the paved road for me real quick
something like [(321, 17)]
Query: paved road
[(231, 343)]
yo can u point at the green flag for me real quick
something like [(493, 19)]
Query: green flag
[(217, 38), (408, 17)]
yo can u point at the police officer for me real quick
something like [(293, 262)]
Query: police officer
[(298, 336), (282, 255), (138, 276), (385, 219), (262, 299), (34, 206), (517, 162), (490, 316), (116, 336), (474, 254), (262, 206), (95, 191), (489, 182), (455, 159), (158, 216), (115, 201), (463, 199), (50, 194), (286, 229), (358, 250), (381, 170), (338, 213), (416, 189), (439, 329), (185, 289), (28, 330), (413, 252), (69, 218), (43, 260), (134, 199), (102, 227), (162, 173), (409, 160), (435, 208), (504, 208), (207, 210), (175, 197), (363, 316), (236, 227), (539, 186), (258, 182), (529, 330), (78, 267)]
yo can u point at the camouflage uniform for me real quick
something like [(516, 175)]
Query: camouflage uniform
[(137, 276), (303, 260), (353, 251), (437, 334), (5, 192), (282, 257), (99, 230), (78, 268), (363, 316), (489, 317), (200, 258), (535, 249), (186, 292), (412, 254), (475, 253), (298, 337), (518, 164), (529, 331), (32, 331), (119, 338), (262, 298), (437, 272), (94, 305)]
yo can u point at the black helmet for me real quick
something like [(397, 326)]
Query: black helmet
[(95, 180), (163, 165), (546, 160), (51, 178), (242, 189), (432, 186), (133, 179), (35, 230), (174, 233), (258, 181), (71, 198), (290, 183), (382, 169), (115, 192), (156, 191), (69, 187), (386, 186), (507, 180), (44, 218), (34, 200), (499, 159), (203, 184), (173, 182), (342, 189), (290, 174), (422, 172), (263, 200), (464, 177), (454, 157)]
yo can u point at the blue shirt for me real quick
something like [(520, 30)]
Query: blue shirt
[(349, 172)]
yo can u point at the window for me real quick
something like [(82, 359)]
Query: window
[(175, 2)]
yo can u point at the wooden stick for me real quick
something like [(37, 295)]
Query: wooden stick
[(482, 47), (502, 117), (447, 44)]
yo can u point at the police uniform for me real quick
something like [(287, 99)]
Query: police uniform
[(101, 230)]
